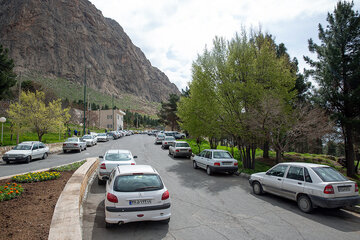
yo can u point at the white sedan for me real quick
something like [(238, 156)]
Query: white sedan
[(136, 193), (27, 151), (311, 185)]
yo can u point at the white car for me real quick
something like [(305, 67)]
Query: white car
[(180, 148), (213, 160), (311, 185), (136, 193), (102, 137), (74, 143), (90, 140), (26, 151), (112, 159)]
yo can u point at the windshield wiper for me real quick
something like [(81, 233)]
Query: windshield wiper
[(148, 187)]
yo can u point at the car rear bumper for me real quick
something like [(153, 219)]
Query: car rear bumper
[(224, 169), (135, 214), (71, 148), (335, 202), (183, 154)]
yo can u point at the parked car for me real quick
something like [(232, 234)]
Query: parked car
[(89, 139), (310, 185), (215, 161), (74, 143), (26, 151), (102, 137), (170, 133), (180, 148), (159, 138), (136, 193), (169, 140), (111, 159), (179, 135)]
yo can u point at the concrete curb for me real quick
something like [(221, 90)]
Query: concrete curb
[(352, 208), (66, 223)]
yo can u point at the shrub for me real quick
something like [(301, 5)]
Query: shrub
[(10, 191), (36, 177), (69, 167)]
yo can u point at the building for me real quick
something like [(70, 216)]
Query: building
[(109, 119)]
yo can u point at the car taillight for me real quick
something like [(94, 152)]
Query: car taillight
[(190, 150), (75, 144), (165, 195), (103, 166), (132, 163), (165, 142), (217, 164), (111, 198), (356, 187), (236, 163), (64, 144), (177, 150), (329, 189)]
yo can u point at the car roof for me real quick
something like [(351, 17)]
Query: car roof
[(129, 169), (303, 164), (215, 150), (118, 151), (29, 142)]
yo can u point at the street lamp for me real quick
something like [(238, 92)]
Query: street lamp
[(86, 67), (2, 120)]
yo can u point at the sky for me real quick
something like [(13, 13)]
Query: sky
[(172, 33)]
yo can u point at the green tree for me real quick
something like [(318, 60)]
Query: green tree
[(167, 114), (337, 72), (33, 114), (7, 76)]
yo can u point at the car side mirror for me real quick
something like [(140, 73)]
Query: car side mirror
[(267, 173), (135, 156), (101, 156)]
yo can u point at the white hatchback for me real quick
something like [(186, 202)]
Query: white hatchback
[(136, 193), (311, 185)]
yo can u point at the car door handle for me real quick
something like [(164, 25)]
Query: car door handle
[(299, 183), (279, 179)]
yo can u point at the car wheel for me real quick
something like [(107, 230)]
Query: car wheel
[(195, 166), (304, 203), (7, 162), (101, 182), (28, 159), (166, 221), (64, 151), (174, 155), (208, 171), (45, 156), (257, 188), (108, 225)]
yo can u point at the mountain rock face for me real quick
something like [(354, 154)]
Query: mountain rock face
[(60, 38)]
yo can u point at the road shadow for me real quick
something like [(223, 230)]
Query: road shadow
[(333, 218), (96, 188)]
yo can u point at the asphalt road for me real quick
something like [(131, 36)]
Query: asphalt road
[(213, 207), (54, 160)]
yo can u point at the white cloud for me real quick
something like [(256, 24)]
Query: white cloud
[(171, 32)]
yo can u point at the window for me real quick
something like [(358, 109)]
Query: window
[(109, 116), (36, 146), (277, 171), (41, 145), (182, 145), (307, 176), (222, 155), (202, 154), (139, 182), (208, 154), (328, 174), (117, 157), (109, 126), (296, 173)]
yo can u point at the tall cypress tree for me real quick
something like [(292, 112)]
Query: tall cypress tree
[(7, 76), (337, 71)]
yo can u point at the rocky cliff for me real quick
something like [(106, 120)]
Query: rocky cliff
[(58, 38)]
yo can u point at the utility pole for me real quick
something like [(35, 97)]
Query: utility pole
[(84, 102), (113, 112), (17, 134)]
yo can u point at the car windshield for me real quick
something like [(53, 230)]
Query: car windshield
[(138, 183), (182, 145), (87, 137), (72, 140), (102, 134), (222, 155), (22, 147), (117, 157), (160, 135), (328, 174), (169, 138)]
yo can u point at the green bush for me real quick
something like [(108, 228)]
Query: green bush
[(36, 177), (10, 191), (69, 167)]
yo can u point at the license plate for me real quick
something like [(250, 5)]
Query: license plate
[(344, 189), (183, 150), (138, 202), (227, 164), (11, 158)]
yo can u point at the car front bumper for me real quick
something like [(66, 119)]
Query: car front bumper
[(14, 159), (126, 215), (335, 202), (224, 169)]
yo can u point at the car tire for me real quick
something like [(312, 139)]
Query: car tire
[(101, 182), (166, 221), (195, 166), (257, 188), (28, 159), (304, 204), (209, 171), (7, 162), (174, 155), (45, 156), (108, 225), (64, 151), (79, 150)]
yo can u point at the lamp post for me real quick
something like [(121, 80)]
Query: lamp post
[(84, 124), (2, 120)]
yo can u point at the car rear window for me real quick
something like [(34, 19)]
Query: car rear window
[(328, 174), (222, 155), (182, 145), (72, 140), (138, 183), (117, 157), (169, 138)]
